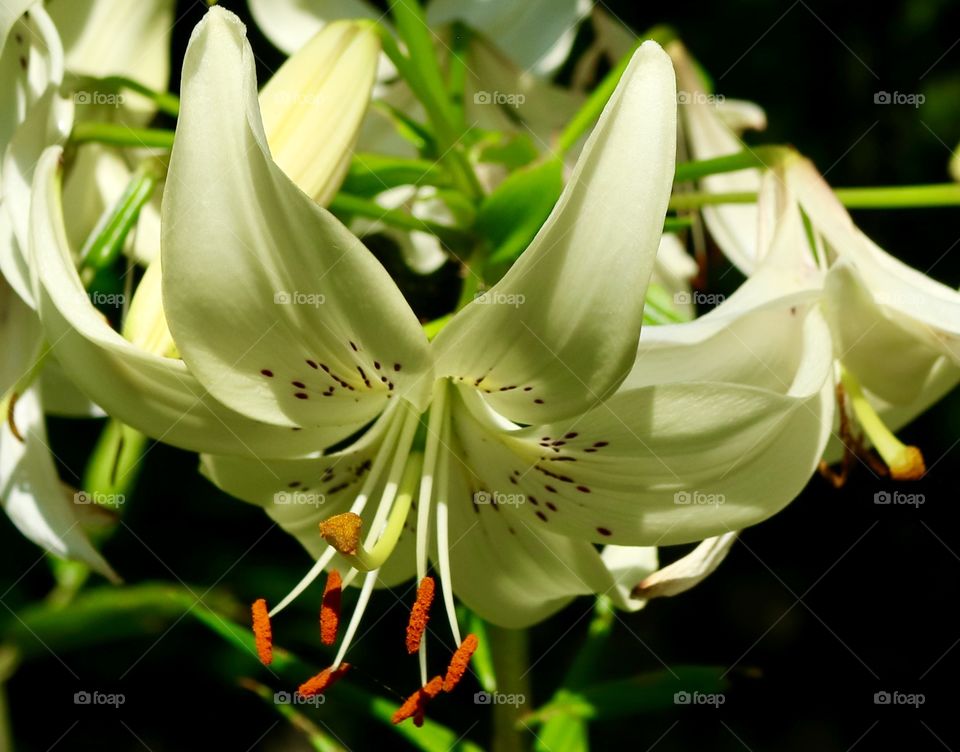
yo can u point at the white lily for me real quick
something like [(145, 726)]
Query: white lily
[(538, 399)]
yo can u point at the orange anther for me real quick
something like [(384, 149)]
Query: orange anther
[(330, 608), (414, 705), (320, 683), (460, 662), (420, 614), (262, 635)]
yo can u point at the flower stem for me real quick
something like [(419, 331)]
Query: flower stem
[(510, 662), (882, 197), (117, 134)]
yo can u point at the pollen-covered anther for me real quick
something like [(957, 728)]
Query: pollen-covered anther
[(342, 531), (460, 662), (330, 608), (320, 683), (420, 614), (415, 704), (909, 464), (262, 634)]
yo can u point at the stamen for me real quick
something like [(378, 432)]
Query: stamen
[(420, 614), (262, 634), (443, 534), (362, 601), (905, 462), (320, 683), (460, 663), (330, 608), (414, 705)]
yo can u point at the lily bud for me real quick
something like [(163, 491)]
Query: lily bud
[(313, 105)]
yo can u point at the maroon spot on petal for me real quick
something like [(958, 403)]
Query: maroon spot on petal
[(600, 444), (542, 516), (528, 389), (571, 435), (301, 395), (538, 402), (551, 489), (551, 506), (590, 450), (355, 348), (533, 501), (293, 484), (583, 489), (604, 531), (299, 384), (396, 366), (267, 372), (312, 364), (376, 364)]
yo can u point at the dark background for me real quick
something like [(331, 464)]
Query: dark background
[(816, 610)]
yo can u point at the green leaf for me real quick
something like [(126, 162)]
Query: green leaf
[(409, 129), (638, 694), (319, 739), (512, 215), (563, 733)]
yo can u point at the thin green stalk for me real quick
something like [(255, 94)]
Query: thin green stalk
[(759, 157), (884, 197), (116, 134), (165, 101), (344, 203), (511, 664)]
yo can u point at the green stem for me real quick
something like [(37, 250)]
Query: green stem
[(760, 157), (344, 203), (165, 101), (114, 464), (422, 72), (116, 134), (106, 240), (511, 662), (885, 197)]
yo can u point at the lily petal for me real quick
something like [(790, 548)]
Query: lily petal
[(289, 24), (279, 311), (733, 226), (155, 395), (687, 571), (537, 34), (559, 331), (32, 494)]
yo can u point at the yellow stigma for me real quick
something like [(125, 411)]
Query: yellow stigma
[(342, 531)]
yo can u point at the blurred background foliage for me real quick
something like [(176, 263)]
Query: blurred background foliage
[(815, 611)]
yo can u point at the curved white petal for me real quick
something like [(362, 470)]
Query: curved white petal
[(559, 331), (720, 424), (891, 353), (155, 395), (733, 226), (740, 115), (537, 34), (628, 566), (289, 24), (32, 494), (687, 571), (279, 311)]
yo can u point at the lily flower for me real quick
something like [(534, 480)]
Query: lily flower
[(549, 427)]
